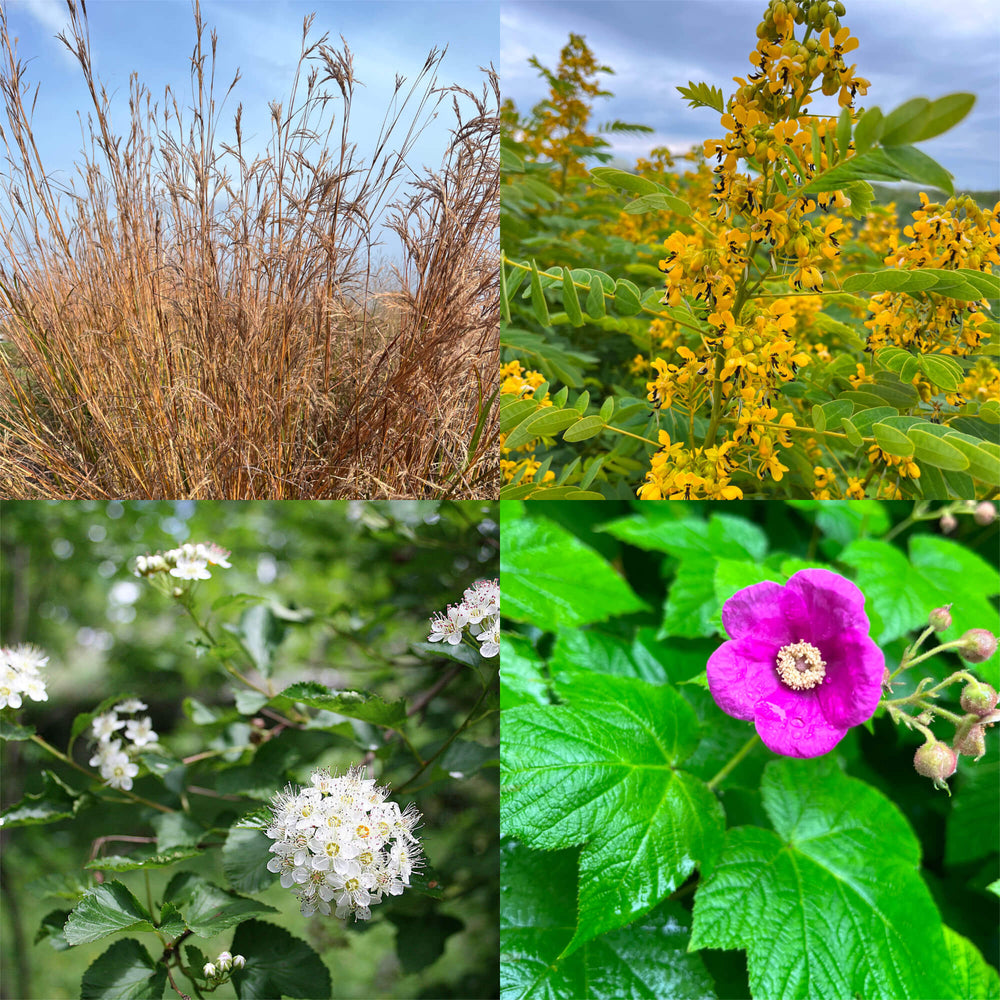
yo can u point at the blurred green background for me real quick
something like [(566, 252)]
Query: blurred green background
[(365, 576)]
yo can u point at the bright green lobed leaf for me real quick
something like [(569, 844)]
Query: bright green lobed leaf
[(521, 678), (353, 704), (551, 578), (278, 965), (972, 975), (162, 859), (103, 910), (602, 770), (829, 904), (124, 972), (208, 909), (537, 915), (244, 860), (54, 802)]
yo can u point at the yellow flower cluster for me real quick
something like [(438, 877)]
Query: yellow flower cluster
[(516, 381)]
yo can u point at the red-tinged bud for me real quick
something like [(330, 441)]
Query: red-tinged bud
[(972, 744), (940, 618), (935, 760), (978, 698), (978, 645), (985, 513)]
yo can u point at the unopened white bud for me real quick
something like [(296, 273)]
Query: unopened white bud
[(224, 961), (209, 970), (239, 961)]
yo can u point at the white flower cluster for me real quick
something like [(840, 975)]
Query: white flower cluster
[(222, 965), (116, 766), (188, 562), (20, 673), (339, 839), (479, 612)]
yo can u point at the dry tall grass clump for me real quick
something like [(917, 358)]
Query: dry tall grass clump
[(190, 322)]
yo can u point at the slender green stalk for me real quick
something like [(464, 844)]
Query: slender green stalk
[(734, 761)]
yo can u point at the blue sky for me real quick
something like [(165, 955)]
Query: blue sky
[(908, 48), (155, 38)]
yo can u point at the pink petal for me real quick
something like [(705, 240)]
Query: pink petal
[(792, 723), (852, 687), (762, 609), (832, 604), (741, 673)]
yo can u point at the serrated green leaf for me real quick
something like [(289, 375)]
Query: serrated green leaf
[(277, 965), (54, 802), (103, 910), (601, 769), (972, 975), (551, 578), (865, 923), (51, 928), (261, 632), (352, 704), (12, 731), (536, 919), (245, 855), (158, 859), (124, 972), (208, 909)]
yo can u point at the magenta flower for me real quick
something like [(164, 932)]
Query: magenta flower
[(799, 662)]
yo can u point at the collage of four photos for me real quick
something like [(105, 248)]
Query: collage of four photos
[(499, 500)]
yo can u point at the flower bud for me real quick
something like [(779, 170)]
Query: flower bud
[(935, 760), (972, 744), (985, 513), (209, 970), (978, 645), (940, 618), (225, 960), (239, 961), (948, 523), (978, 698)]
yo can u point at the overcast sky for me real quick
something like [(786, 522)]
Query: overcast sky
[(155, 38), (909, 48)]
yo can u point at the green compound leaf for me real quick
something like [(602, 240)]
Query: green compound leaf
[(971, 975), (278, 965), (551, 578), (124, 972), (602, 770), (353, 704), (829, 904), (536, 920), (571, 301), (103, 910), (897, 163)]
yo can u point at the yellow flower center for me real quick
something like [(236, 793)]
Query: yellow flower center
[(800, 666)]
